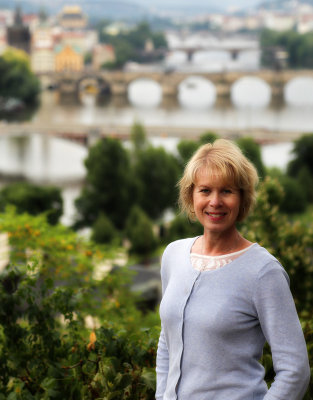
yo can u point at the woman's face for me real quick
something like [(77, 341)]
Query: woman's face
[(215, 203)]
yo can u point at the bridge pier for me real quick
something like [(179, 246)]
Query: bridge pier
[(119, 88), (278, 98), (169, 102), (119, 101), (223, 94), (169, 95)]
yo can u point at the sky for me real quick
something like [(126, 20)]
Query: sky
[(165, 4), (202, 3)]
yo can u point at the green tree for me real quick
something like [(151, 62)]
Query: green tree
[(185, 149), (139, 231), (16, 77), (130, 45), (305, 179), (110, 184), (157, 172), (103, 231), (180, 227), (33, 199), (252, 151), (294, 200), (298, 46), (138, 136), (290, 195), (302, 151), (208, 137)]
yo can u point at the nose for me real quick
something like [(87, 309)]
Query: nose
[(215, 199)]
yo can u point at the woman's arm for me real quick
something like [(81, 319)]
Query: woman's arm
[(281, 327), (162, 362)]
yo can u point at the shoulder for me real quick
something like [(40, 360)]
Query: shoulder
[(265, 264), (178, 246), (176, 255)]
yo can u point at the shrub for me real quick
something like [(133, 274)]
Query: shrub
[(47, 352), (139, 231), (180, 227), (33, 199), (103, 231)]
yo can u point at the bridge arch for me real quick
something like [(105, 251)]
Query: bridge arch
[(251, 92), (100, 85), (196, 91), (298, 91), (145, 92)]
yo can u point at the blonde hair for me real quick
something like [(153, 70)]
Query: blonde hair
[(225, 159)]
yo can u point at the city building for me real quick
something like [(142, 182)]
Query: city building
[(3, 39), (279, 21), (305, 23), (72, 17), (42, 48), (68, 58), (101, 54), (84, 39), (18, 35), (6, 18)]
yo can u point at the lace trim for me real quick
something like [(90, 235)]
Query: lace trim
[(202, 262)]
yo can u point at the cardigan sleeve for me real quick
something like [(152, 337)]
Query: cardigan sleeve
[(162, 358), (281, 327), (162, 363)]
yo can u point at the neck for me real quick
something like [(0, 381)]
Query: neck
[(223, 243)]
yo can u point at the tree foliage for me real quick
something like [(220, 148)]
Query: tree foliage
[(139, 231), (111, 186), (185, 149), (138, 137), (157, 172), (130, 45), (252, 151), (47, 294), (302, 151), (103, 231), (33, 199), (298, 46), (16, 77), (180, 227)]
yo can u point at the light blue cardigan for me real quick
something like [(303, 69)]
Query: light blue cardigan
[(215, 324)]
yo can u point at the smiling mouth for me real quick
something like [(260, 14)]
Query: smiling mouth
[(215, 215)]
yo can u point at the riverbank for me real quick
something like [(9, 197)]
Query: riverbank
[(86, 133)]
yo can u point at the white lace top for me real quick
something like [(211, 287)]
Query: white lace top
[(201, 262)]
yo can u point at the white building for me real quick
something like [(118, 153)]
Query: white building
[(42, 50)]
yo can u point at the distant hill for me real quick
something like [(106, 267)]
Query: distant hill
[(129, 8), (281, 4), (140, 9), (93, 8)]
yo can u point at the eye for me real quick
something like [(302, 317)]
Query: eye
[(227, 191), (205, 191)]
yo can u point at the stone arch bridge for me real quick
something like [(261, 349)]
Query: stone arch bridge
[(116, 82)]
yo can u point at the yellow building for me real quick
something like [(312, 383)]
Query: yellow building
[(68, 58)]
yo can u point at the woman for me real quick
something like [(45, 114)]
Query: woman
[(224, 297)]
